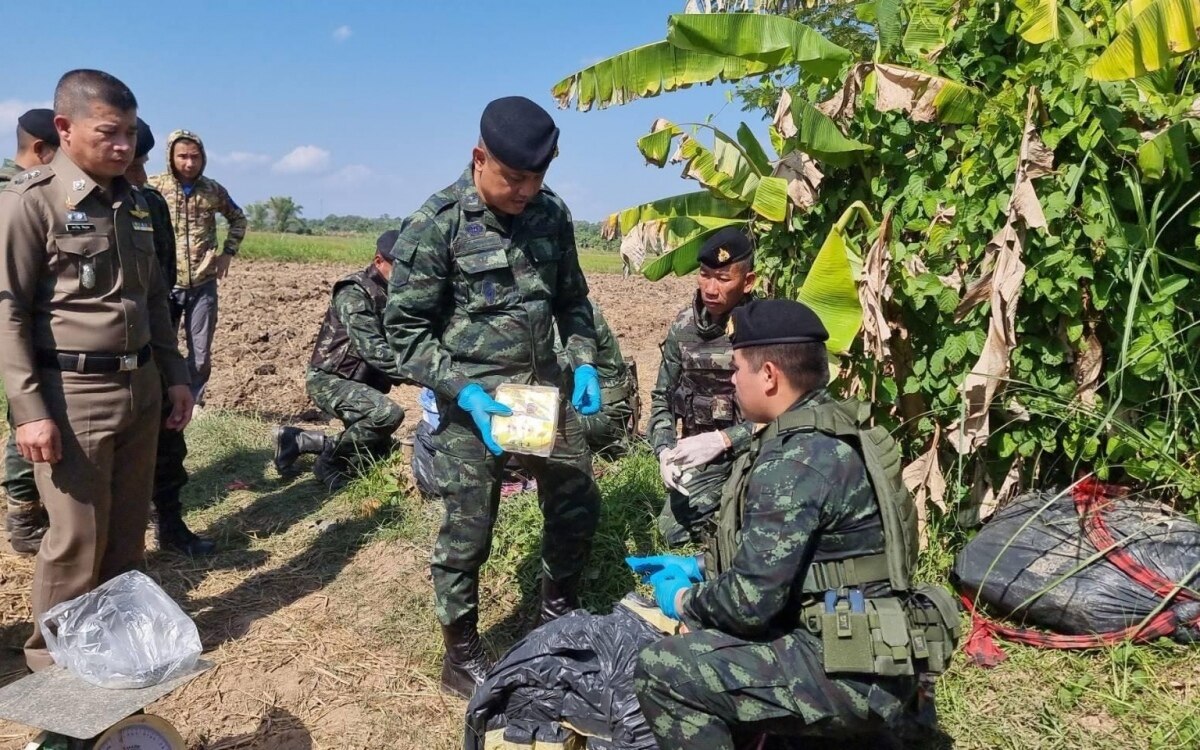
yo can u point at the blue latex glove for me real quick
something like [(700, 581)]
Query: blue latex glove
[(586, 398), (475, 401), (648, 566), (667, 584)]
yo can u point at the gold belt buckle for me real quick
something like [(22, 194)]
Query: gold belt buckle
[(129, 362)]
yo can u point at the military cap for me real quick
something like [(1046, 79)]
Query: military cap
[(519, 133), (40, 124), (385, 243), (775, 321), (728, 245), (145, 139)]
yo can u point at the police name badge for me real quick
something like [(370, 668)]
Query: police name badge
[(142, 226)]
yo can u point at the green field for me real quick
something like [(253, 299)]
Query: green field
[(359, 249)]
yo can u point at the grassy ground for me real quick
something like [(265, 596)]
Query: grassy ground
[(1116, 698), (360, 249)]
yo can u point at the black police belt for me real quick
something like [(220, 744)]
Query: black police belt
[(93, 363)]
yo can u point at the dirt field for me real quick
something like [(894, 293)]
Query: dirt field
[(270, 314), (303, 609)]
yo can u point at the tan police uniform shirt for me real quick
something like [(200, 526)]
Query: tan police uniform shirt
[(77, 274)]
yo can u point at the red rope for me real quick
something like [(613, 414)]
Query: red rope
[(1092, 500)]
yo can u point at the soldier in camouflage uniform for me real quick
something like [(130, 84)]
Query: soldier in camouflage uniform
[(800, 504), (349, 376), (693, 388), (608, 432), (169, 473), (486, 278), (195, 200), (37, 143)]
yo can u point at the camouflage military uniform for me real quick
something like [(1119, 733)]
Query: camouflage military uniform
[(694, 388), (476, 297), (609, 430), (18, 473), (351, 371), (748, 665)]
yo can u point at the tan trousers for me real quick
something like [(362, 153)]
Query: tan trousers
[(98, 495)]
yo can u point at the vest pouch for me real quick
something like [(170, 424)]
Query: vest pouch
[(935, 627), (874, 641), (702, 411)]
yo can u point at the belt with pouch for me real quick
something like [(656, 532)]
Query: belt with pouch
[(90, 363)]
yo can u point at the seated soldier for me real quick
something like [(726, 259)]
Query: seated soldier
[(349, 376), (803, 620)]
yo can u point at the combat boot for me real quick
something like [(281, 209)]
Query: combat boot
[(331, 471), (174, 535), (26, 524), (465, 665), (293, 442), (558, 598)]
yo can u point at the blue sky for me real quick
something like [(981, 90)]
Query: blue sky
[(360, 107)]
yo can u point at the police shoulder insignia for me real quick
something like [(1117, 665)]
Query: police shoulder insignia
[(78, 185), (722, 256), (474, 229), (729, 327)]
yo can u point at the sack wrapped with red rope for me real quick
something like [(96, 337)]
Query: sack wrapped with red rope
[(1086, 567)]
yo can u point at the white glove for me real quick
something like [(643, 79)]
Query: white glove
[(697, 450), (669, 471)]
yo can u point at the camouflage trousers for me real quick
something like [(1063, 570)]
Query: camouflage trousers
[(607, 432), (18, 473), (368, 416), (710, 691), (467, 481), (688, 518)]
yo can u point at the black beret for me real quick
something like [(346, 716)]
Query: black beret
[(145, 139), (519, 133), (728, 245), (40, 124), (385, 243), (775, 321)]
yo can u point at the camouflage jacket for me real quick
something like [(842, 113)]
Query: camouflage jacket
[(194, 212), (352, 343), (610, 364), (807, 498), (693, 384), (8, 170), (479, 298)]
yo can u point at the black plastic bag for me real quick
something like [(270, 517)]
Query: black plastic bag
[(422, 459), (578, 670), (1035, 565)]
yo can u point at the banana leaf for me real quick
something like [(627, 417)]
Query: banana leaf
[(775, 41), (686, 234), (830, 288), (1161, 32)]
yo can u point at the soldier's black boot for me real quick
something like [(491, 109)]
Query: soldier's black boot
[(26, 524), (293, 442), (465, 665), (558, 598), (173, 533), (330, 470)]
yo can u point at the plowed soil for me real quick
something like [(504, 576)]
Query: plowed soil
[(270, 314)]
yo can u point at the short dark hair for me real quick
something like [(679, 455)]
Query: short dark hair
[(806, 366), (746, 264), (77, 89), (25, 139)]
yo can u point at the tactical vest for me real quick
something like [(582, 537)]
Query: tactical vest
[(913, 630), (703, 398), (334, 353)]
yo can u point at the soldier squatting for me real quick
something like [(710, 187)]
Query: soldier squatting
[(809, 536)]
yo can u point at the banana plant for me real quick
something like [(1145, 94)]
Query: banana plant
[(1153, 35)]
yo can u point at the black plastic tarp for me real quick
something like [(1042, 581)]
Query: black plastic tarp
[(1034, 565), (576, 669)]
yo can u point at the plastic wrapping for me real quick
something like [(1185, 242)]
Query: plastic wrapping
[(1034, 565), (422, 459), (125, 633), (571, 677), (534, 421)]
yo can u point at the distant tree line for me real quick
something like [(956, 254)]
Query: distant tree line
[(282, 214)]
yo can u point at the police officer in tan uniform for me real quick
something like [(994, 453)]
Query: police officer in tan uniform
[(85, 330)]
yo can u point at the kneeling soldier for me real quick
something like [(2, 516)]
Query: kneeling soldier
[(349, 376), (804, 619)]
